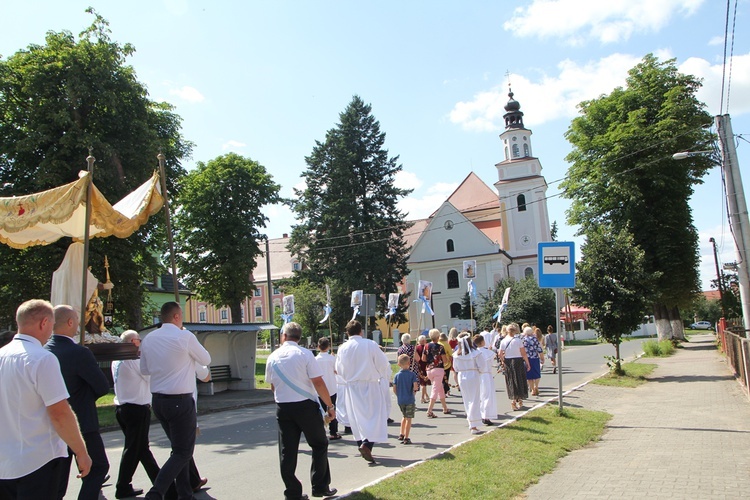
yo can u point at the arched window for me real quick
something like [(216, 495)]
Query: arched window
[(455, 310), (526, 150), (449, 246), (507, 155), (516, 151), (521, 202), (452, 279), (528, 272)]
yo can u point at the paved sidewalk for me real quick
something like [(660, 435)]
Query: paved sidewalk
[(684, 434)]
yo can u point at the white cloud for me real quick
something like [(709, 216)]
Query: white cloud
[(407, 180), (608, 21), (232, 144), (717, 40), (421, 205), (551, 97), (187, 93)]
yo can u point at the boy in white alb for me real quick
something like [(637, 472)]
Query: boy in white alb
[(327, 364), (488, 405)]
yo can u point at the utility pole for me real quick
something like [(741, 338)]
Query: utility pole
[(269, 290), (719, 278), (738, 217)]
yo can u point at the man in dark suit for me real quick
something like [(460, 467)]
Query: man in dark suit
[(86, 383)]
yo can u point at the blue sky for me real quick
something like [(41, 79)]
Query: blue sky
[(268, 79)]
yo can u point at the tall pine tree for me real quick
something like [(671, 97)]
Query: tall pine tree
[(349, 226)]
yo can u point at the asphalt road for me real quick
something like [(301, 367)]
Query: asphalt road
[(238, 452)]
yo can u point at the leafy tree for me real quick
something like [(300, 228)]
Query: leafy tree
[(56, 101), (704, 310), (623, 174), (611, 280), (527, 303), (217, 227), (349, 225)]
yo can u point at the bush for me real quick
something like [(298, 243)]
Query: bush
[(654, 349)]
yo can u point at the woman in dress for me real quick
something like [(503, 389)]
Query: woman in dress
[(513, 356), (535, 354), (408, 349), (422, 366), (434, 356), (453, 342)]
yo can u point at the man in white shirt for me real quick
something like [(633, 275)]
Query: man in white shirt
[(168, 355), (35, 417), (295, 379), (133, 413), (362, 364)]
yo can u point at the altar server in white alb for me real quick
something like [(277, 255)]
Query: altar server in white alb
[(362, 364), (465, 363), (488, 405)]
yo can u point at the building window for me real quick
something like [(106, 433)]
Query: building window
[(258, 312), (449, 246), (202, 316), (296, 266), (516, 151), (507, 155), (242, 313), (455, 310), (528, 272), (276, 290), (452, 279), (526, 150), (257, 292), (224, 314), (521, 202)]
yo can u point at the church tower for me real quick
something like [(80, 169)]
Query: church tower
[(523, 194)]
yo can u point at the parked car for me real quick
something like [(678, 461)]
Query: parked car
[(702, 325)]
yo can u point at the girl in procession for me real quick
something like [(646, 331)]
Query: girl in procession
[(466, 366)]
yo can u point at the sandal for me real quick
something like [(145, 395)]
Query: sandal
[(425, 400), (334, 436), (400, 437), (447, 412), (431, 415), (406, 441)]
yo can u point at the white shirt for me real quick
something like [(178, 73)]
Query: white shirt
[(131, 386), (361, 360), (511, 346), (169, 355), (31, 381), (327, 364), (484, 360), (466, 362), (298, 366)]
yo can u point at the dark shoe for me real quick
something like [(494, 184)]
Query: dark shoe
[(328, 493), (366, 453), (554, 370), (200, 484), (134, 492), (390, 420), (407, 441), (487, 421), (347, 430), (334, 436), (400, 437)]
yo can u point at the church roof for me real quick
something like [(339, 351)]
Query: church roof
[(472, 195)]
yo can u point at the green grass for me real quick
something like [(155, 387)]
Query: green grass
[(260, 373), (635, 375), (498, 465), (656, 349), (105, 407)]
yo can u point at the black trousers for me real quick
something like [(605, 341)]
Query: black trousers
[(295, 419), (135, 422), (42, 484), (333, 425), (91, 485), (176, 413)]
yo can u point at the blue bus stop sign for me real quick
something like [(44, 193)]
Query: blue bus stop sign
[(556, 264)]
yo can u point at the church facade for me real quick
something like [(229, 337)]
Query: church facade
[(499, 229)]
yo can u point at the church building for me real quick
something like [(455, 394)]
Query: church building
[(499, 229)]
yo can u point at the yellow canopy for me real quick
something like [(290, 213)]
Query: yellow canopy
[(43, 218)]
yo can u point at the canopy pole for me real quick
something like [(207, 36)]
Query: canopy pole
[(163, 178), (84, 299)]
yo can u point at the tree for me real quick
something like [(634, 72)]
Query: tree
[(56, 101), (611, 280), (553, 231), (527, 303), (217, 227), (349, 225), (622, 174)]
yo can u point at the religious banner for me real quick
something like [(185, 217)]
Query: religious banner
[(425, 294), (327, 308), (503, 306), (470, 269), (392, 304), (356, 302), (288, 308)]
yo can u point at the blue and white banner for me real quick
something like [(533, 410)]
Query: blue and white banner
[(392, 304), (356, 302), (327, 308), (425, 294), (472, 291), (288, 308)]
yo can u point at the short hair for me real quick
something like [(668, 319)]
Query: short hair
[(62, 314), (354, 327), (292, 330), (528, 331), (406, 338), (32, 311), (421, 338), (434, 334), (129, 335), (323, 343), (168, 311), (443, 336), (512, 328), (478, 340), (404, 359)]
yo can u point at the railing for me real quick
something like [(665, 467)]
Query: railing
[(736, 347)]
